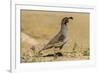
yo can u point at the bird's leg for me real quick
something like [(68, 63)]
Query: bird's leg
[(60, 47), (55, 56)]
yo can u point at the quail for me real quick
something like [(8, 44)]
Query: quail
[(59, 39)]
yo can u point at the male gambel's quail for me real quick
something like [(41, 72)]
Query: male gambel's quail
[(59, 40)]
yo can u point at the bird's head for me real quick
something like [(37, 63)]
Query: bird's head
[(65, 20)]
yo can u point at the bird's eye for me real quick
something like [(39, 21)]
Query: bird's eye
[(65, 22)]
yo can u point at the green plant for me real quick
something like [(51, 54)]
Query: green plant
[(86, 52)]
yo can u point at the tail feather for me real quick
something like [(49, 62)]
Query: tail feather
[(45, 48)]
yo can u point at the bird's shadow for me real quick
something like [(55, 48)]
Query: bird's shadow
[(52, 55)]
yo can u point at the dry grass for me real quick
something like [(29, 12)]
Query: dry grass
[(29, 53)]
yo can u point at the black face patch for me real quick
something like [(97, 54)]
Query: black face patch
[(65, 20)]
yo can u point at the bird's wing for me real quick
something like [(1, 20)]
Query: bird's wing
[(55, 39), (52, 41), (58, 38)]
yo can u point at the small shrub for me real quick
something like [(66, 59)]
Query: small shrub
[(86, 52)]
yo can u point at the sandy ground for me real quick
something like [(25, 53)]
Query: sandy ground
[(31, 55)]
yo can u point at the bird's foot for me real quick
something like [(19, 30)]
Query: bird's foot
[(55, 56)]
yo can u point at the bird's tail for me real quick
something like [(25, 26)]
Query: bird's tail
[(39, 53), (45, 48), (42, 50)]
